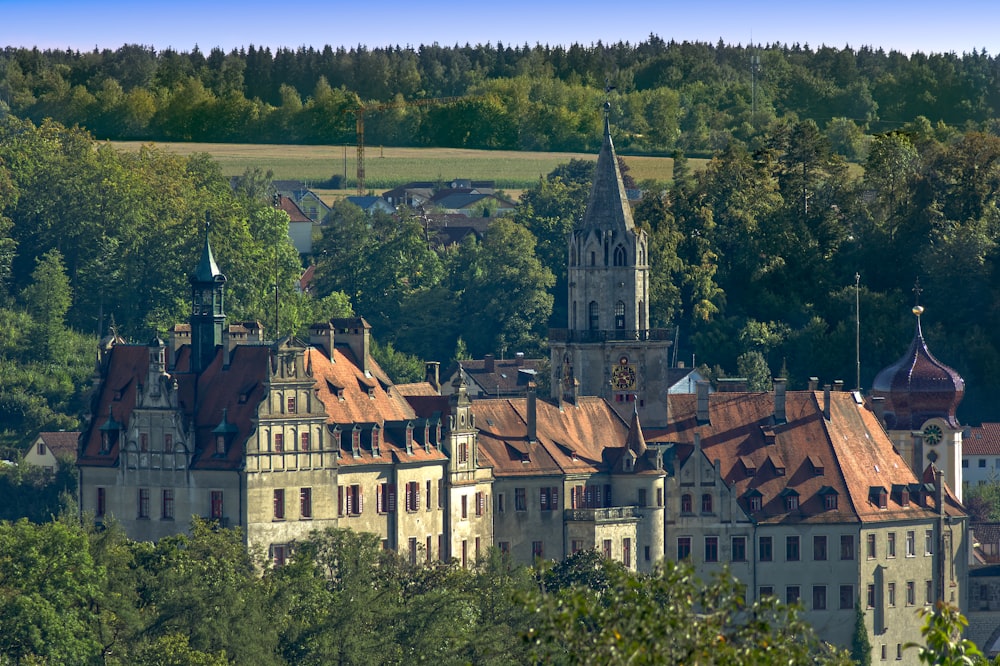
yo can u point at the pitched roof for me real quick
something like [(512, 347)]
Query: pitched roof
[(416, 389), (509, 376), (983, 440), (849, 454), (586, 437), (62, 444), (295, 213)]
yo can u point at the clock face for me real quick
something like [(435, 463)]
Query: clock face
[(932, 434), (623, 375)]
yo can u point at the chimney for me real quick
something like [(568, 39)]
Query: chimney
[(574, 387), (813, 383), (356, 332), (532, 407), (939, 491), (826, 401), (488, 363), (702, 391), (227, 346), (838, 385), (432, 374), (519, 359), (779, 400), (878, 406), (321, 337), (670, 413)]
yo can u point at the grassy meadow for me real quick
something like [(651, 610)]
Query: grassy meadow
[(388, 167)]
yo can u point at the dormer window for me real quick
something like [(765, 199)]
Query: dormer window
[(829, 496), (878, 496), (356, 441), (753, 500), (904, 497), (791, 499), (408, 437), (376, 441), (817, 466), (220, 445)]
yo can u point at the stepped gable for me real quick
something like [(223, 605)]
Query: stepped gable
[(608, 206), (127, 367), (587, 437), (918, 387), (848, 455)]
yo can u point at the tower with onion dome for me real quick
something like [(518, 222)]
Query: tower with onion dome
[(916, 398)]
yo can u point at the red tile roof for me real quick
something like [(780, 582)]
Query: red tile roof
[(982, 441), (62, 444), (851, 449)]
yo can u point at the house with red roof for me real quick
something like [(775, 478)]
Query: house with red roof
[(51, 448), (804, 497)]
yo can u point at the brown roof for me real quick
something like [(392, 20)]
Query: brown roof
[(295, 213), (587, 437), (511, 376), (418, 388), (62, 444), (849, 455), (982, 441)]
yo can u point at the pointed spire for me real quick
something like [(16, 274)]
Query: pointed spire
[(635, 442), (608, 206), (207, 270)]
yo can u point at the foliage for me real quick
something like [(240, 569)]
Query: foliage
[(942, 632), (27, 491), (982, 501), (861, 646), (669, 617), (401, 368)]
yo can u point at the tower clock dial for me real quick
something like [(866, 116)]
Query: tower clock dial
[(933, 434), (623, 375)]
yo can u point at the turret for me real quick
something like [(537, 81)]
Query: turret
[(208, 318)]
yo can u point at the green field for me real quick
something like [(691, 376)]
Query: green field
[(388, 167)]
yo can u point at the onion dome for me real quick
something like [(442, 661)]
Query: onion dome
[(918, 387)]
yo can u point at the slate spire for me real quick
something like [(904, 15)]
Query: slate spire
[(608, 206)]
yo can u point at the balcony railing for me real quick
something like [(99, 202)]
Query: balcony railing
[(619, 335), (606, 515)]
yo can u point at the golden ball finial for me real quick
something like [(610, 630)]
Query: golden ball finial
[(918, 310)]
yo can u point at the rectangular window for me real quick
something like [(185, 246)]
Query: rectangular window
[(627, 552), (890, 595), (279, 503), (537, 550), (847, 546), (929, 542), (385, 498), (711, 549), (216, 505), (430, 555), (440, 501), (870, 546), (480, 503), (739, 546), (463, 452), (465, 507), (412, 549), (102, 502), (765, 591), (706, 503), (304, 442), (167, 504), (413, 497), (520, 500), (427, 489), (576, 546), (642, 497), (911, 543), (41, 449), (871, 596), (819, 597), (846, 597), (819, 547), (982, 462), (475, 551), (168, 443), (792, 594), (353, 500), (646, 553), (291, 404), (143, 508), (279, 554), (279, 442), (884, 652), (911, 593), (504, 547), (899, 651), (305, 503), (765, 549), (890, 545), (144, 442), (929, 592), (683, 548), (792, 549), (501, 503), (606, 548), (659, 497)]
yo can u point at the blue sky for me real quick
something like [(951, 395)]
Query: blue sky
[(916, 25)]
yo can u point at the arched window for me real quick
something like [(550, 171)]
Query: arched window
[(620, 316), (593, 258), (685, 503), (595, 320), (620, 255)]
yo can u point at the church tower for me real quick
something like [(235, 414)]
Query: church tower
[(608, 347), (208, 320), (916, 398)]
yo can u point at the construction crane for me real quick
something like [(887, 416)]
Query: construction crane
[(363, 109)]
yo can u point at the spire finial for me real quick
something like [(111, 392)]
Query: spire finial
[(918, 309), (607, 105)]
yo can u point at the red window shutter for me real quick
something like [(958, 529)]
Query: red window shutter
[(416, 496), (360, 500), (350, 501), (379, 498), (340, 500)]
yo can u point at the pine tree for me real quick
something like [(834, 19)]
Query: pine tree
[(861, 647)]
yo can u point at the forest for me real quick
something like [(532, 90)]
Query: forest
[(762, 259), (693, 97)]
